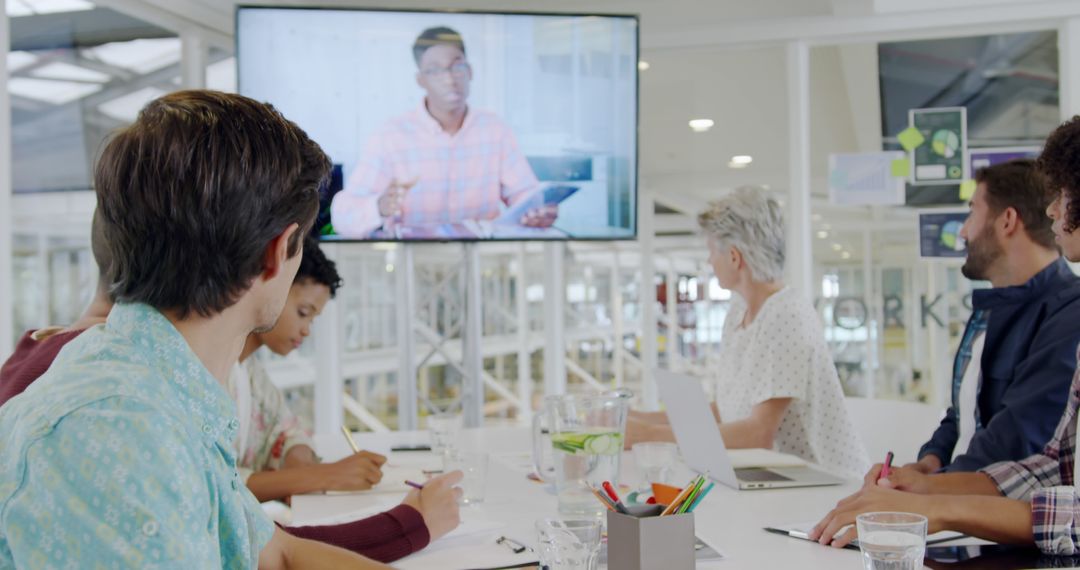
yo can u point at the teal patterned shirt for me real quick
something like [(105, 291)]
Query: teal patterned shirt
[(121, 456)]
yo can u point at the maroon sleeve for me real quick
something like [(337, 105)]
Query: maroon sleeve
[(29, 361), (385, 537)]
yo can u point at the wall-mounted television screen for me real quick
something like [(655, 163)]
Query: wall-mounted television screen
[(448, 126)]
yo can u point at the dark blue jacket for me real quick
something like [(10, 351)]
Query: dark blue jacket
[(1029, 357)]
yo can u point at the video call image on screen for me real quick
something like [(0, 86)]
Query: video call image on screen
[(457, 126)]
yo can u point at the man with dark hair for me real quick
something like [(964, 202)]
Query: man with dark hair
[(121, 454), (274, 456), (1033, 500), (442, 163), (1016, 358)]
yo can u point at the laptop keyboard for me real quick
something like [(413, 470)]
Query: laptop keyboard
[(759, 475)]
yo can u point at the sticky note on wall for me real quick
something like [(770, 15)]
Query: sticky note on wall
[(901, 167), (910, 138), (967, 189)]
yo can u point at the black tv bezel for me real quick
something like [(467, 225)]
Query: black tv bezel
[(637, 108)]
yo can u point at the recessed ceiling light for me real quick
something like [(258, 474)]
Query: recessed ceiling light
[(701, 125), (837, 247), (642, 65), (742, 159), (823, 235), (846, 255), (736, 165)]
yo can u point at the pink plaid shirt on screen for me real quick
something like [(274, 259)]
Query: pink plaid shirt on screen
[(464, 176)]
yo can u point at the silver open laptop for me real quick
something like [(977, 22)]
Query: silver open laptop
[(703, 448)]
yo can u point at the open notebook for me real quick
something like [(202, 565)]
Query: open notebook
[(393, 481), (802, 531)]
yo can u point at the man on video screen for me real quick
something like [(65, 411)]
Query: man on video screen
[(441, 163)]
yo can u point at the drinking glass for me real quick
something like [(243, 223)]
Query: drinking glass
[(892, 541), (655, 461), (569, 544), (474, 465), (445, 429)]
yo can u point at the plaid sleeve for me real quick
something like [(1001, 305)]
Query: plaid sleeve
[(354, 212), (1054, 515), (1051, 468), (1019, 479), (517, 177)]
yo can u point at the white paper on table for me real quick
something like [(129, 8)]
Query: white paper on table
[(393, 481), (471, 545), (802, 530), (704, 552), (518, 462), (379, 506), (751, 458)]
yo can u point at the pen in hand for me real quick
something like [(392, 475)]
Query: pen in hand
[(886, 468), (348, 437)]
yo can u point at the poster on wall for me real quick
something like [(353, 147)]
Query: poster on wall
[(868, 178), (939, 234), (984, 157), (939, 158)]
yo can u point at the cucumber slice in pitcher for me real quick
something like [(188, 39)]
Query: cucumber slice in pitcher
[(603, 444)]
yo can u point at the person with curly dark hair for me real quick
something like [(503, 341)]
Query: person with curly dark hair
[(1031, 501), (275, 456), (1060, 163)]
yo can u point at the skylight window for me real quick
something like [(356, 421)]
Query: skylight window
[(69, 72), (17, 60), (16, 8), (126, 107), (141, 56), (50, 90)]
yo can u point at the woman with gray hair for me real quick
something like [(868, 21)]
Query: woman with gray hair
[(776, 384)]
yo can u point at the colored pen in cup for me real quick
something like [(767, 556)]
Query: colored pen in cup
[(610, 490), (604, 499), (699, 497), (692, 496), (886, 468)]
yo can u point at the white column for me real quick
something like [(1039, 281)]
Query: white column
[(800, 266), (1069, 68), (554, 319), (408, 404), (671, 292), (870, 297), (618, 361), (524, 356), (7, 271), (44, 280), (329, 383), (472, 393), (194, 55), (647, 298)]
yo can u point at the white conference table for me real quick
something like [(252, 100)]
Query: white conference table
[(728, 520)]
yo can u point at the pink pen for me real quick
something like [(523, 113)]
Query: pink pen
[(887, 467)]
